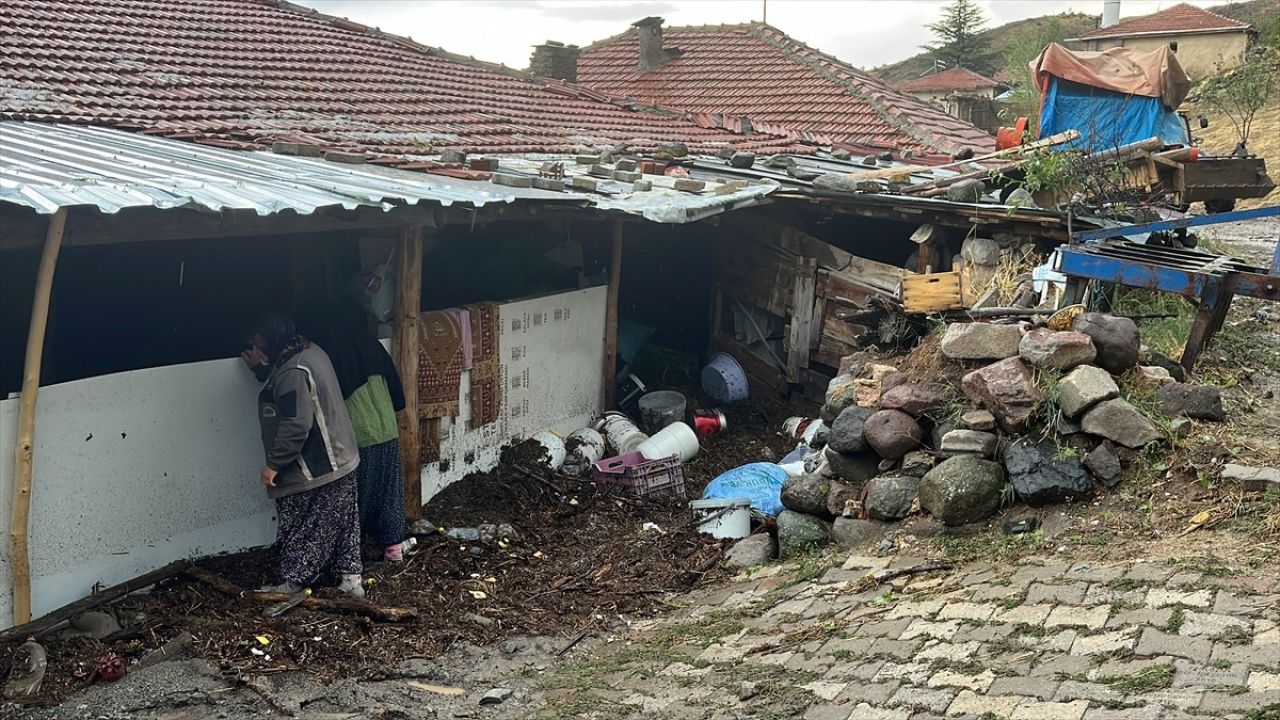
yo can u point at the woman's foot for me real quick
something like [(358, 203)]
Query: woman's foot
[(352, 585), (393, 553), (284, 588)]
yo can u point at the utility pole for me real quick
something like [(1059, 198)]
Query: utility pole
[(764, 11)]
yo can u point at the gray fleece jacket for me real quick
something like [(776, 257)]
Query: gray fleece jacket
[(306, 432)]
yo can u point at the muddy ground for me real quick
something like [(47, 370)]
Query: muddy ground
[(600, 572)]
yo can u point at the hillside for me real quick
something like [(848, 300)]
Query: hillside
[(1001, 38), (1255, 12)]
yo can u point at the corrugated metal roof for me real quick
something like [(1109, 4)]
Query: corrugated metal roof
[(47, 166)]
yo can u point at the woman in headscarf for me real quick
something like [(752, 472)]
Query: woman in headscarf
[(373, 393), (312, 458)]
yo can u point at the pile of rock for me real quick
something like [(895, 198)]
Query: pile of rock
[(1038, 417)]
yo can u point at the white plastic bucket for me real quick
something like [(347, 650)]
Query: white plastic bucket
[(723, 517), (589, 448), (675, 439), (554, 445), (724, 380), (621, 433)]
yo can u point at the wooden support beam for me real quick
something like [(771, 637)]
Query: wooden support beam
[(801, 317), (19, 557), (611, 318), (404, 344), (60, 617)]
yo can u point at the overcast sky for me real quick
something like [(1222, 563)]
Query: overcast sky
[(865, 33)]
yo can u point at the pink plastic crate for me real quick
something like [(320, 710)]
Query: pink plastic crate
[(639, 476)]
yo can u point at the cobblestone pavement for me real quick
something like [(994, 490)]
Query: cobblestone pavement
[(1031, 641)]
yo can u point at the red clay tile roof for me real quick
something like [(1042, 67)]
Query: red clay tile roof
[(1179, 19), (954, 79), (241, 73), (758, 72)]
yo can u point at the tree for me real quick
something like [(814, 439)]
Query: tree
[(1241, 93), (1025, 46), (958, 36)]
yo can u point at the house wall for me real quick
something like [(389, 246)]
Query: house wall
[(552, 377), (136, 469), (1200, 55)]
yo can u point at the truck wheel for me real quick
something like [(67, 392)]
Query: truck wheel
[(1213, 207)]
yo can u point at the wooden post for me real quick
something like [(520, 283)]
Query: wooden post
[(801, 317), (404, 344), (611, 319), (19, 559)]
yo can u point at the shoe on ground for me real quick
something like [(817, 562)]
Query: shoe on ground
[(352, 585)]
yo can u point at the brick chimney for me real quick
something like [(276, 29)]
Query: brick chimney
[(555, 60), (652, 54)]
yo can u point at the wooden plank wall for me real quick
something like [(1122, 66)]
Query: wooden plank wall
[(825, 293)]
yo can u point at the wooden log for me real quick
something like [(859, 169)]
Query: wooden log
[(1057, 139), (405, 342), (350, 605), (24, 453), (611, 318), (59, 617), (801, 317)]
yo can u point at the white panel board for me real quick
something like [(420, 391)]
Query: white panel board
[(552, 373), (138, 469), (135, 470)]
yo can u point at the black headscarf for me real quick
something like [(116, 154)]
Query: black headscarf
[(342, 332), (280, 337)]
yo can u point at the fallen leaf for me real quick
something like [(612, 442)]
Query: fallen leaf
[(437, 689)]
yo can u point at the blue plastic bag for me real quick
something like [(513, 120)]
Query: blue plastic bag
[(759, 482)]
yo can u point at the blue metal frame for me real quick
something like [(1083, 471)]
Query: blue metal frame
[(1211, 279), (1186, 222)]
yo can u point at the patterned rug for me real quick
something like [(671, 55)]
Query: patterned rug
[(440, 360), (486, 364)]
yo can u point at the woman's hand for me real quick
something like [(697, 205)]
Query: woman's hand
[(253, 357), (269, 477)]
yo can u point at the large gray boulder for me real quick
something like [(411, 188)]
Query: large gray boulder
[(916, 463), (1008, 390), (799, 533), (893, 433), (980, 251), (1085, 387), (853, 468), (751, 551), (854, 533), (806, 494), (1044, 348), (915, 399), (848, 431), (1116, 339), (978, 420), (981, 341), (1104, 464), (840, 495), (1203, 402), (891, 498), (1043, 474), (973, 442), (966, 191), (1120, 422), (962, 490), (1159, 359), (842, 392)]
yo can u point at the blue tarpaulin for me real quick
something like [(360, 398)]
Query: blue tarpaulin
[(1107, 119)]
